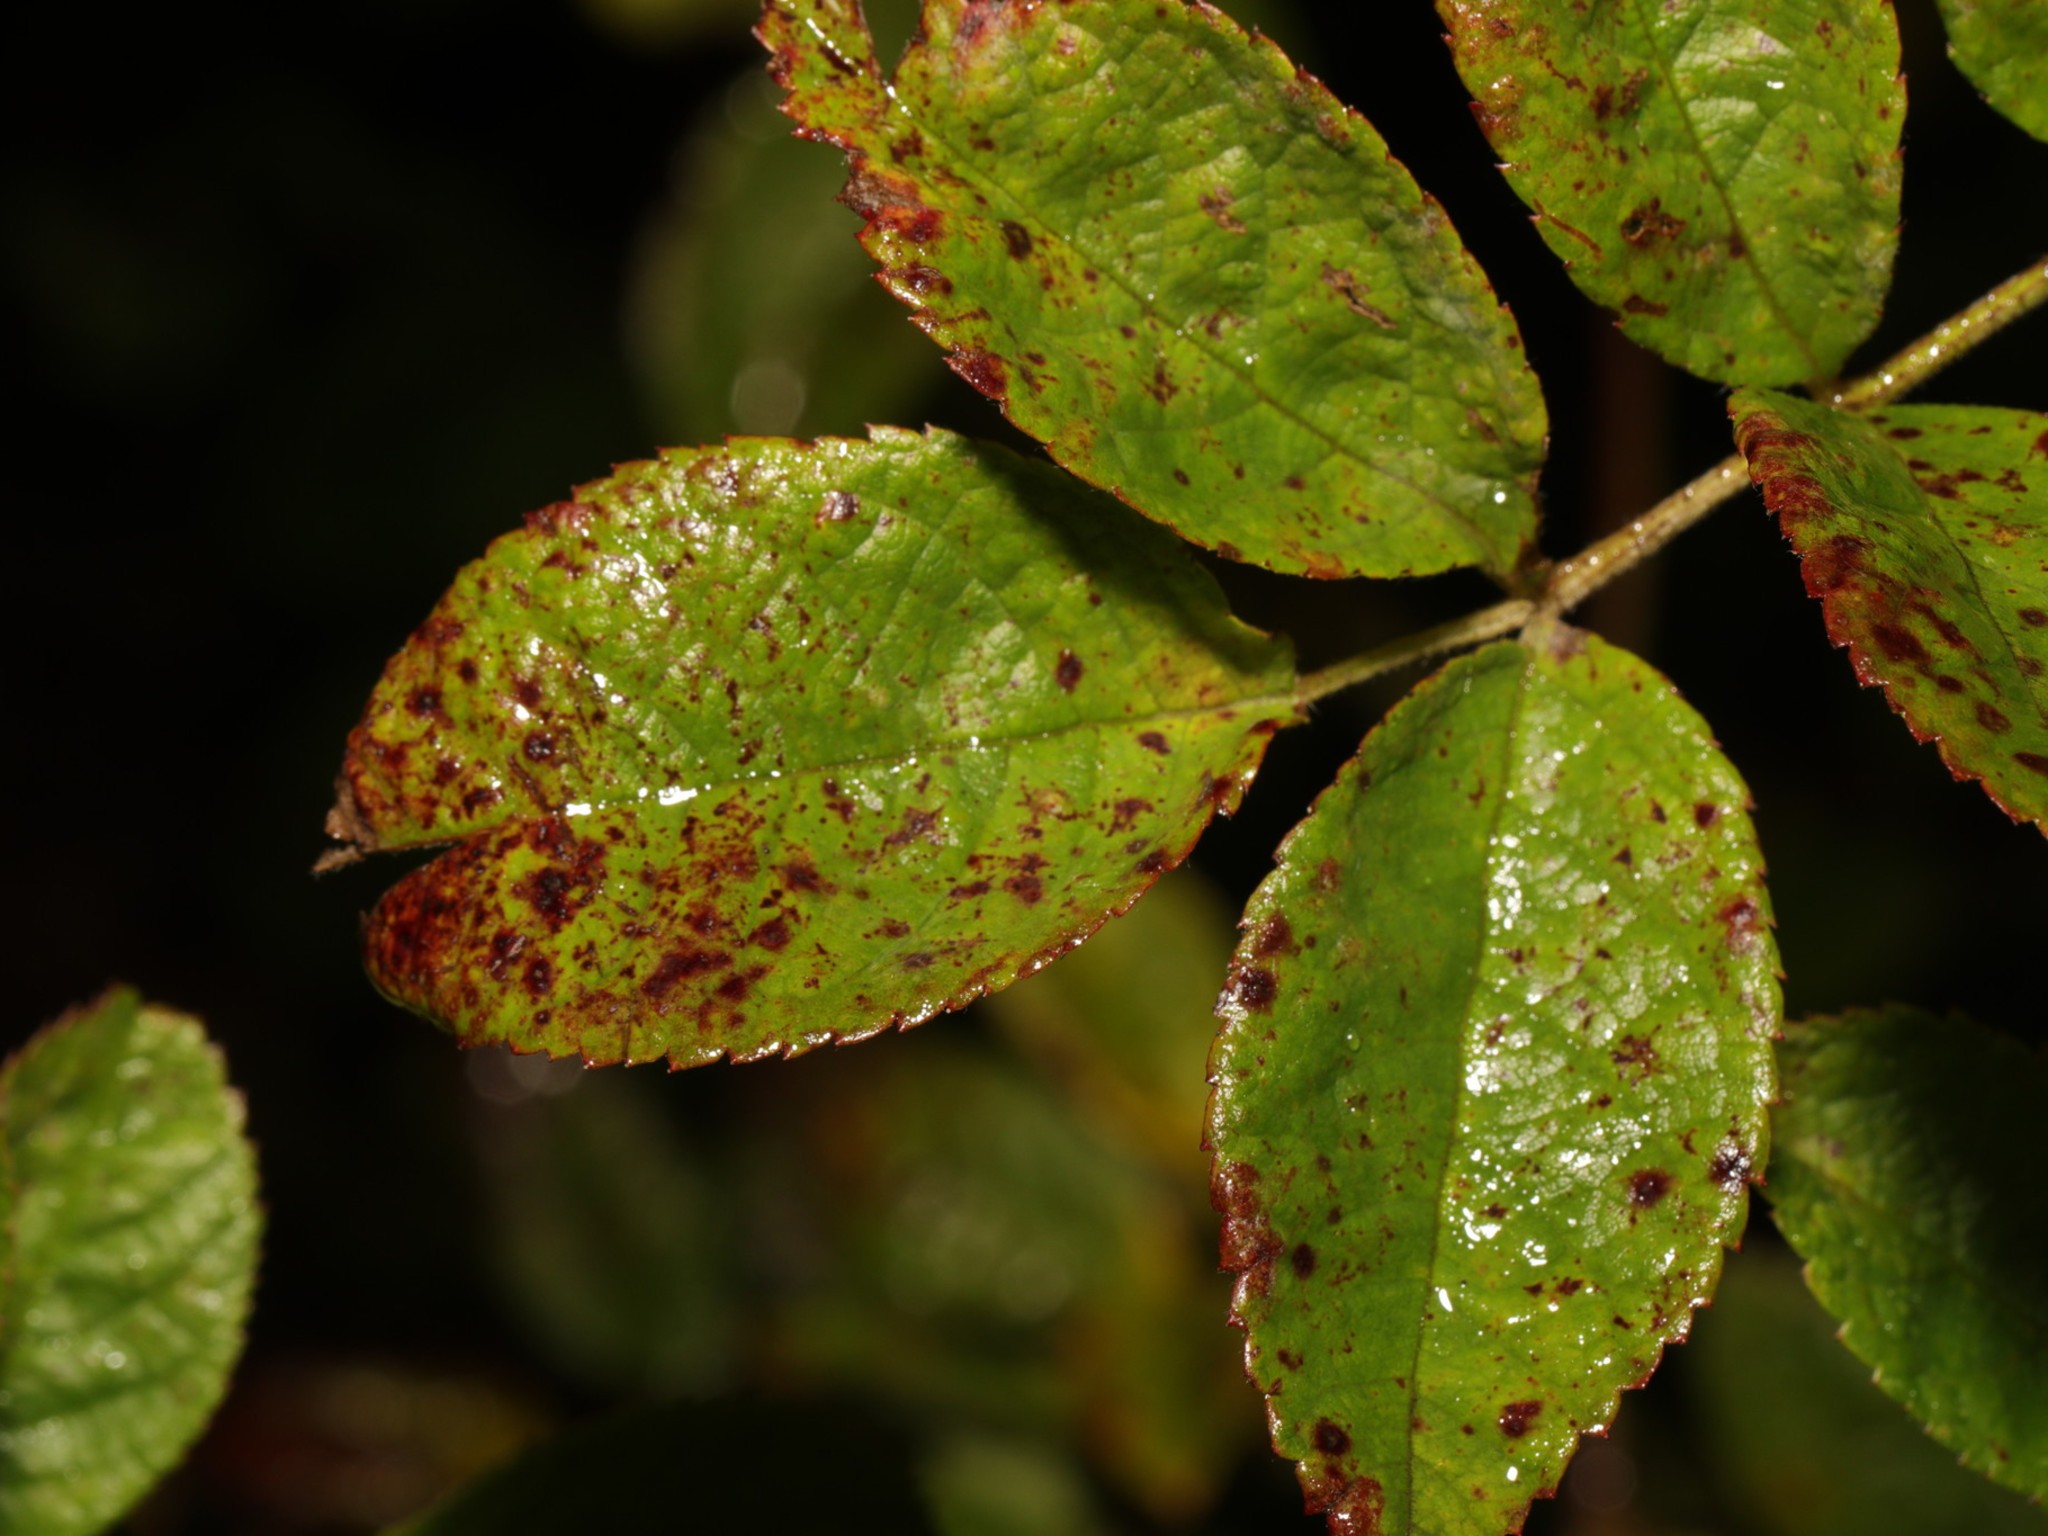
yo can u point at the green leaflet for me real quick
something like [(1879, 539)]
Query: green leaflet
[(1799, 1441), (1724, 174), (130, 1224), (1908, 1175), (751, 749), (1923, 530), (2002, 45), (1190, 271), (1490, 1081)]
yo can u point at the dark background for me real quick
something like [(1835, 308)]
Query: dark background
[(301, 311)]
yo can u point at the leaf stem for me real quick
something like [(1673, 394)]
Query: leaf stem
[(1574, 580), (1908, 370), (1486, 624), (1571, 581)]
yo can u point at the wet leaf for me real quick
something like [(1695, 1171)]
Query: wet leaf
[(1908, 1174), (2002, 45), (750, 749), (1800, 1442), (130, 1222), (1491, 1081), (1923, 530), (1190, 271), (1722, 174)]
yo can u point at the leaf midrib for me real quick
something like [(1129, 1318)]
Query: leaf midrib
[(1267, 706), (1432, 1280), (1750, 257)]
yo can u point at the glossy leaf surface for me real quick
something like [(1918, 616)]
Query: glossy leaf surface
[(1491, 1081), (2002, 45), (1190, 271), (750, 749), (1908, 1174), (1722, 174), (130, 1222), (1923, 530)]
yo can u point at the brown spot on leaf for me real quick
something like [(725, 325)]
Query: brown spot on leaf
[(2034, 618), (1901, 645), (1329, 1438), (1303, 1260), (1730, 1165), (1515, 1418), (1028, 889), (1649, 224), (983, 369), (1992, 719), (1647, 1186), (1253, 989), (1068, 672), (679, 965), (1741, 919), (1275, 936), (1152, 741), (2033, 762), (1016, 239), (1217, 205), (837, 507), (1346, 286)]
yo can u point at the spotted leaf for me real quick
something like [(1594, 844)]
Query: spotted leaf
[(1722, 174), (748, 749), (1191, 272), (1907, 1174), (2002, 45), (1923, 530), (128, 1228), (1490, 1082)]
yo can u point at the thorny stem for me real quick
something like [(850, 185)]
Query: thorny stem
[(1573, 580)]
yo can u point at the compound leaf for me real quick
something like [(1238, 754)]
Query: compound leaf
[(2002, 45), (130, 1227), (1923, 533), (1190, 271), (750, 749), (1490, 1081), (1723, 174), (1908, 1176)]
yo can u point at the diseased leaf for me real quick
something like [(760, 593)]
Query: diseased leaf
[(1923, 530), (1490, 1081), (2002, 45), (129, 1216), (1723, 174), (1190, 271), (751, 749), (1908, 1175)]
